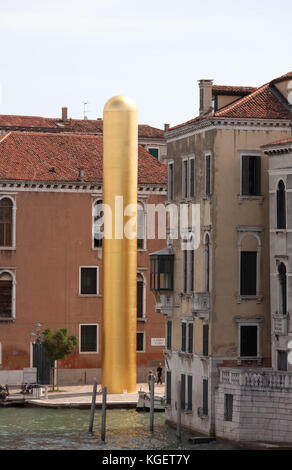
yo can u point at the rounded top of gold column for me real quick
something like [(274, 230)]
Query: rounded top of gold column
[(120, 103)]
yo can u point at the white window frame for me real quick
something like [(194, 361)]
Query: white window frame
[(97, 338), (144, 294), (97, 282), (255, 234), (13, 299), (96, 248), (155, 148), (144, 341), (249, 153), (13, 200), (248, 322), (142, 204)]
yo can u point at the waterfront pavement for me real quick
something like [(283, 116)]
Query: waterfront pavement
[(80, 396)]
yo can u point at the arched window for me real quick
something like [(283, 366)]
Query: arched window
[(140, 226), (6, 295), (282, 277), (207, 263), (97, 224), (6, 219), (281, 205), (140, 296)]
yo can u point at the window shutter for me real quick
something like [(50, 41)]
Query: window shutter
[(140, 341), (281, 206), (183, 336), (257, 170), (192, 177), (205, 397), (191, 337), (183, 391), (190, 392), (205, 340), (140, 291), (245, 175), (208, 175), (248, 273)]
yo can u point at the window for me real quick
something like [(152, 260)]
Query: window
[(97, 224), (141, 227), (89, 280), (248, 273), (192, 269), (169, 335), (205, 397), (282, 280), (170, 182), (228, 407), (248, 340), (140, 341), (205, 340), (281, 206), (192, 177), (282, 360), (154, 152), (6, 218), (183, 391), (88, 338), (190, 337), (0, 353), (190, 393), (6, 295), (161, 274), (207, 263), (183, 336), (208, 175), (185, 178), (250, 175), (185, 270), (140, 296), (168, 387)]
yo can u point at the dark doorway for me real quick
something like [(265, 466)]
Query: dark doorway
[(43, 364)]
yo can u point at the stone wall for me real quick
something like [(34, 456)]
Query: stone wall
[(259, 413)]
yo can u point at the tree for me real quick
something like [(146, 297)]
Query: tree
[(57, 345)]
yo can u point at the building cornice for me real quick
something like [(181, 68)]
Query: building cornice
[(204, 125), (71, 186)]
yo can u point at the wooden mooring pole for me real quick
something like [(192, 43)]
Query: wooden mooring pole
[(93, 405), (152, 403), (103, 414)]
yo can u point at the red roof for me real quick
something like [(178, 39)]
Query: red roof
[(232, 90), (44, 156), (88, 126), (262, 103), (279, 143)]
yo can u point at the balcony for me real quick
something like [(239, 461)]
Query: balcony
[(256, 378), (164, 304), (201, 304)]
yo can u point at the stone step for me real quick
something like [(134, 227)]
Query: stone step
[(201, 439)]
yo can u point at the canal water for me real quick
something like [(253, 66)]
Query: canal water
[(40, 428)]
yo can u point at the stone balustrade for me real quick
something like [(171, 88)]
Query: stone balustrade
[(256, 379)]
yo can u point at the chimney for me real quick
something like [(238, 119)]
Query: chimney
[(205, 87), (166, 127), (64, 114)]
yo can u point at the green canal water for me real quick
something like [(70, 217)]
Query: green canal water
[(39, 428)]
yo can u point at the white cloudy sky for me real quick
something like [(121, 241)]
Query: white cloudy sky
[(62, 53)]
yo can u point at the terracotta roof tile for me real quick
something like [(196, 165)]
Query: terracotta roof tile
[(281, 142), (232, 90), (37, 156)]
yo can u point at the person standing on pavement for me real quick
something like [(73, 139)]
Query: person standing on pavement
[(159, 374)]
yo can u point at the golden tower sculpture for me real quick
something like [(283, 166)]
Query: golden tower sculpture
[(120, 141)]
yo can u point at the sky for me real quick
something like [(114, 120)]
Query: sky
[(65, 52)]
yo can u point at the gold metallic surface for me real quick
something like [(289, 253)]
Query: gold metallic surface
[(120, 137)]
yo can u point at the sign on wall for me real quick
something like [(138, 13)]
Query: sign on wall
[(157, 341)]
